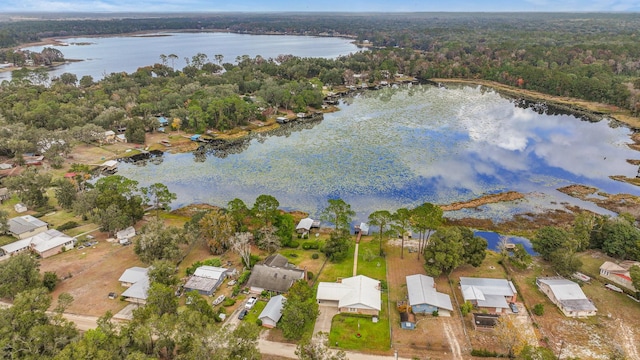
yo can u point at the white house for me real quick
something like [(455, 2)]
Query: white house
[(568, 296), (619, 273), (136, 280), (124, 236), (304, 226), (272, 312), (493, 295), (359, 294)]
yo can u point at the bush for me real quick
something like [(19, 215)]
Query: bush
[(244, 277), (50, 280), (538, 309), (236, 291), (68, 225), (308, 245), (466, 308), (258, 322), (484, 353), (383, 285), (294, 244), (264, 293), (435, 313), (315, 255), (228, 302), (209, 262), (309, 275)]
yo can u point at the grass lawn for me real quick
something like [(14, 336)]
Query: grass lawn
[(369, 262), (332, 271), (253, 314), (373, 336)]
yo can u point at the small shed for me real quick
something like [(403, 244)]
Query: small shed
[(195, 137), (162, 121), (407, 321), (272, 313), (121, 138), (304, 226), (126, 234), (20, 208)]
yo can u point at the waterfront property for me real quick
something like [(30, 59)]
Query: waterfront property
[(272, 313), (423, 297), (492, 295), (358, 295), (26, 226), (567, 296), (274, 279), (206, 279), (619, 273)]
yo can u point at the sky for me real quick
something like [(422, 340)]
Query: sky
[(316, 5)]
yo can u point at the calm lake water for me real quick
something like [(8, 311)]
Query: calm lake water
[(105, 55), (400, 147)]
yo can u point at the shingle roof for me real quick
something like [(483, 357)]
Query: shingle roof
[(22, 224), (421, 290), (276, 260), (273, 278), (273, 309)]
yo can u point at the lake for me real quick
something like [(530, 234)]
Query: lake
[(402, 146), (105, 55)]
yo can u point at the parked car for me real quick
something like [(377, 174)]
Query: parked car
[(514, 307), (218, 300), (112, 295), (242, 314), (252, 301)]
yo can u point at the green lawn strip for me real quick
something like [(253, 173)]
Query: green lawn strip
[(57, 218), (332, 271), (373, 336), (6, 239), (253, 314), (370, 263)]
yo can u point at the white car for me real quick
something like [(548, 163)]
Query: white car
[(250, 303)]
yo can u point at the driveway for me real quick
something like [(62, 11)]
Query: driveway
[(323, 322)]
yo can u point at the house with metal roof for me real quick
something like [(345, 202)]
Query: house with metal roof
[(423, 297), (26, 226), (272, 312), (304, 226), (206, 279), (45, 244), (567, 295), (358, 294), (136, 280), (271, 278), (493, 295), (619, 273)]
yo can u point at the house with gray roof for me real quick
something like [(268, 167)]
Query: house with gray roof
[(272, 312), (206, 279), (277, 260), (136, 280), (567, 295), (271, 278), (358, 294), (26, 226), (423, 297), (45, 244), (493, 295)]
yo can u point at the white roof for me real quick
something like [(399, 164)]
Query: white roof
[(210, 272), (364, 227), (126, 233), (305, 224), (569, 294), (273, 309), (421, 289), (23, 224), (138, 290), (110, 163), (356, 292), (109, 133), (487, 292), (48, 240), (134, 274), (16, 246)]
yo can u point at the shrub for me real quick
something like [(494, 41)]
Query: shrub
[(68, 225), (435, 313), (228, 302), (244, 277), (538, 309), (308, 245), (236, 291), (209, 262), (258, 322), (383, 285), (264, 293), (315, 255), (294, 244), (466, 308), (50, 280), (484, 353), (309, 275)]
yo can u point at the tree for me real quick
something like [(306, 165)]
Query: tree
[(634, 272), (268, 239), (317, 348), (4, 217), (474, 247), (618, 237), (121, 192), (243, 342), (583, 225), (241, 244), (402, 221), (299, 310), (425, 219), (158, 242), (285, 228), (265, 209), (510, 335), (17, 274), (159, 196), (65, 193), (339, 213), (163, 272), (445, 252), (30, 186), (381, 219), (239, 212), (50, 280), (337, 247), (161, 300), (549, 239), (218, 228)]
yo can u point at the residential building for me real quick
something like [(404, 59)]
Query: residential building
[(358, 294), (26, 226), (44, 244), (136, 280), (206, 279), (567, 296), (423, 297), (275, 279), (492, 295), (272, 312), (619, 273)]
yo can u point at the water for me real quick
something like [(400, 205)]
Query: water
[(400, 147), (105, 55), (493, 241)]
